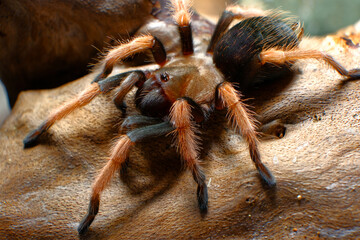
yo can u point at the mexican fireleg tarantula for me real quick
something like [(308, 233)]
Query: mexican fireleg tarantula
[(185, 89)]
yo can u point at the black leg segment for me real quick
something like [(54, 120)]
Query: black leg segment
[(186, 39), (31, 139), (134, 78), (108, 84), (202, 192), (90, 216), (137, 120), (144, 133)]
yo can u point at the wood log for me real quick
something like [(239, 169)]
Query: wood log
[(45, 190)]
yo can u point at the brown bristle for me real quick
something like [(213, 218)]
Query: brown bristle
[(182, 14)]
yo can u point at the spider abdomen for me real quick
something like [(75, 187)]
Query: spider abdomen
[(236, 53)]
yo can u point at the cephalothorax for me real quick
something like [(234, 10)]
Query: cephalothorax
[(185, 89)]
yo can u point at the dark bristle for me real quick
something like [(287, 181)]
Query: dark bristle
[(222, 25), (90, 216), (267, 177), (202, 192), (186, 40), (85, 224), (202, 197)]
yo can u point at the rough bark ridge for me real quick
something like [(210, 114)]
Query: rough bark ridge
[(45, 189)]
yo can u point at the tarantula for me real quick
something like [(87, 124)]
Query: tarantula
[(185, 89)]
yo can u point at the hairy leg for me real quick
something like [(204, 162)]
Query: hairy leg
[(80, 100), (137, 45), (137, 120), (136, 77), (118, 157), (182, 18), (282, 57), (188, 147), (227, 96)]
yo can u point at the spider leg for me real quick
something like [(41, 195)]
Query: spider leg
[(137, 120), (139, 44), (81, 100), (229, 14), (117, 158), (135, 78), (282, 57), (182, 16), (227, 96), (119, 155), (187, 144)]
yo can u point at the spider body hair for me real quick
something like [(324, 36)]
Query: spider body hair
[(250, 37)]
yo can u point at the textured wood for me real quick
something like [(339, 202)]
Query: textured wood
[(45, 189)]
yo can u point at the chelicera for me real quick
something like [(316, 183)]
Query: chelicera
[(183, 90)]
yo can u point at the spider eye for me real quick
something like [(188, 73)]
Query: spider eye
[(164, 77)]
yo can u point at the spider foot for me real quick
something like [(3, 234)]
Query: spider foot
[(85, 224), (31, 139), (202, 197), (354, 74), (202, 193), (90, 216), (266, 175)]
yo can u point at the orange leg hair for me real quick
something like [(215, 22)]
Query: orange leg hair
[(182, 17), (85, 97), (118, 157), (139, 44), (182, 14), (242, 121), (81, 100), (188, 147), (282, 57)]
